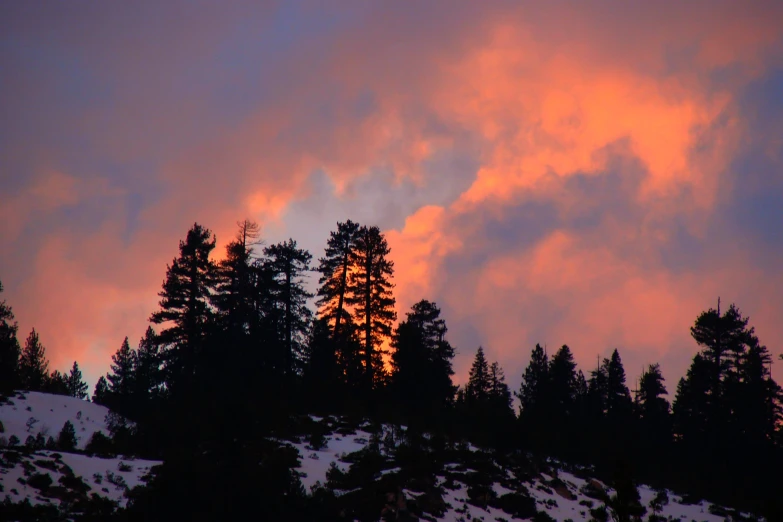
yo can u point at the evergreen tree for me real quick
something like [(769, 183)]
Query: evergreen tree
[(500, 394), (534, 398), (334, 268), (33, 365), (322, 379), (100, 394), (479, 386), (692, 403), (57, 383), (76, 386), (370, 295), (185, 305), (66, 441), (563, 380), (618, 397), (234, 293), (121, 375), (653, 408), (421, 361), (146, 380), (288, 266), (9, 348)]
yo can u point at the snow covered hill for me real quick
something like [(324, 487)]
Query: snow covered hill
[(31, 413), (57, 477), (565, 496)]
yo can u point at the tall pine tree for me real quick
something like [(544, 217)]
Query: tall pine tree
[(421, 362), (33, 365), (370, 295), (289, 265), (334, 268), (185, 305)]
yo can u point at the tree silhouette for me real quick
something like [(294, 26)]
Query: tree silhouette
[(288, 266), (334, 268), (76, 386), (421, 362), (9, 348), (370, 295), (185, 304), (33, 365)]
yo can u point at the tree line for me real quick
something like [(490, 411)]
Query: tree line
[(237, 349)]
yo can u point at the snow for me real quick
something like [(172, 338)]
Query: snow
[(314, 465), (51, 413), (82, 466)]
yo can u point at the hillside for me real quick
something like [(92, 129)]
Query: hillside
[(469, 483), (344, 467), (56, 477)]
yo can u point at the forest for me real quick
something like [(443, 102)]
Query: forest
[(236, 348)]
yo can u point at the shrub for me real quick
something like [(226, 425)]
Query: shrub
[(66, 441), (100, 444), (124, 467), (40, 481)]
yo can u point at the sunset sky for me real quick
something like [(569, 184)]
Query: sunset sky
[(589, 173)]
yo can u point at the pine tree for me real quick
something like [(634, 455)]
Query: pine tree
[(500, 394), (33, 365), (100, 395), (370, 295), (76, 386), (234, 290), (534, 389), (146, 372), (9, 348), (121, 375), (288, 266), (479, 386), (322, 380), (421, 361), (653, 408), (57, 383), (693, 402), (334, 268), (66, 441), (185, 305), (618, 397), (562, 378)]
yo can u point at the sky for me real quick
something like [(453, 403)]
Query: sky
[(588, 173)]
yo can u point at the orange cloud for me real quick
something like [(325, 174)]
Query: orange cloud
[(542, 97)]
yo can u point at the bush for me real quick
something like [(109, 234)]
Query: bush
[(40, 481), (124, 467), (66, 441), (100, 444)]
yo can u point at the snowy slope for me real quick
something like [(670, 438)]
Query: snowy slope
[(49, 477), (50, 413), (104, 477), (562, 495)]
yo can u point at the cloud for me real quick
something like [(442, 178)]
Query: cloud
[(546, 172)]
